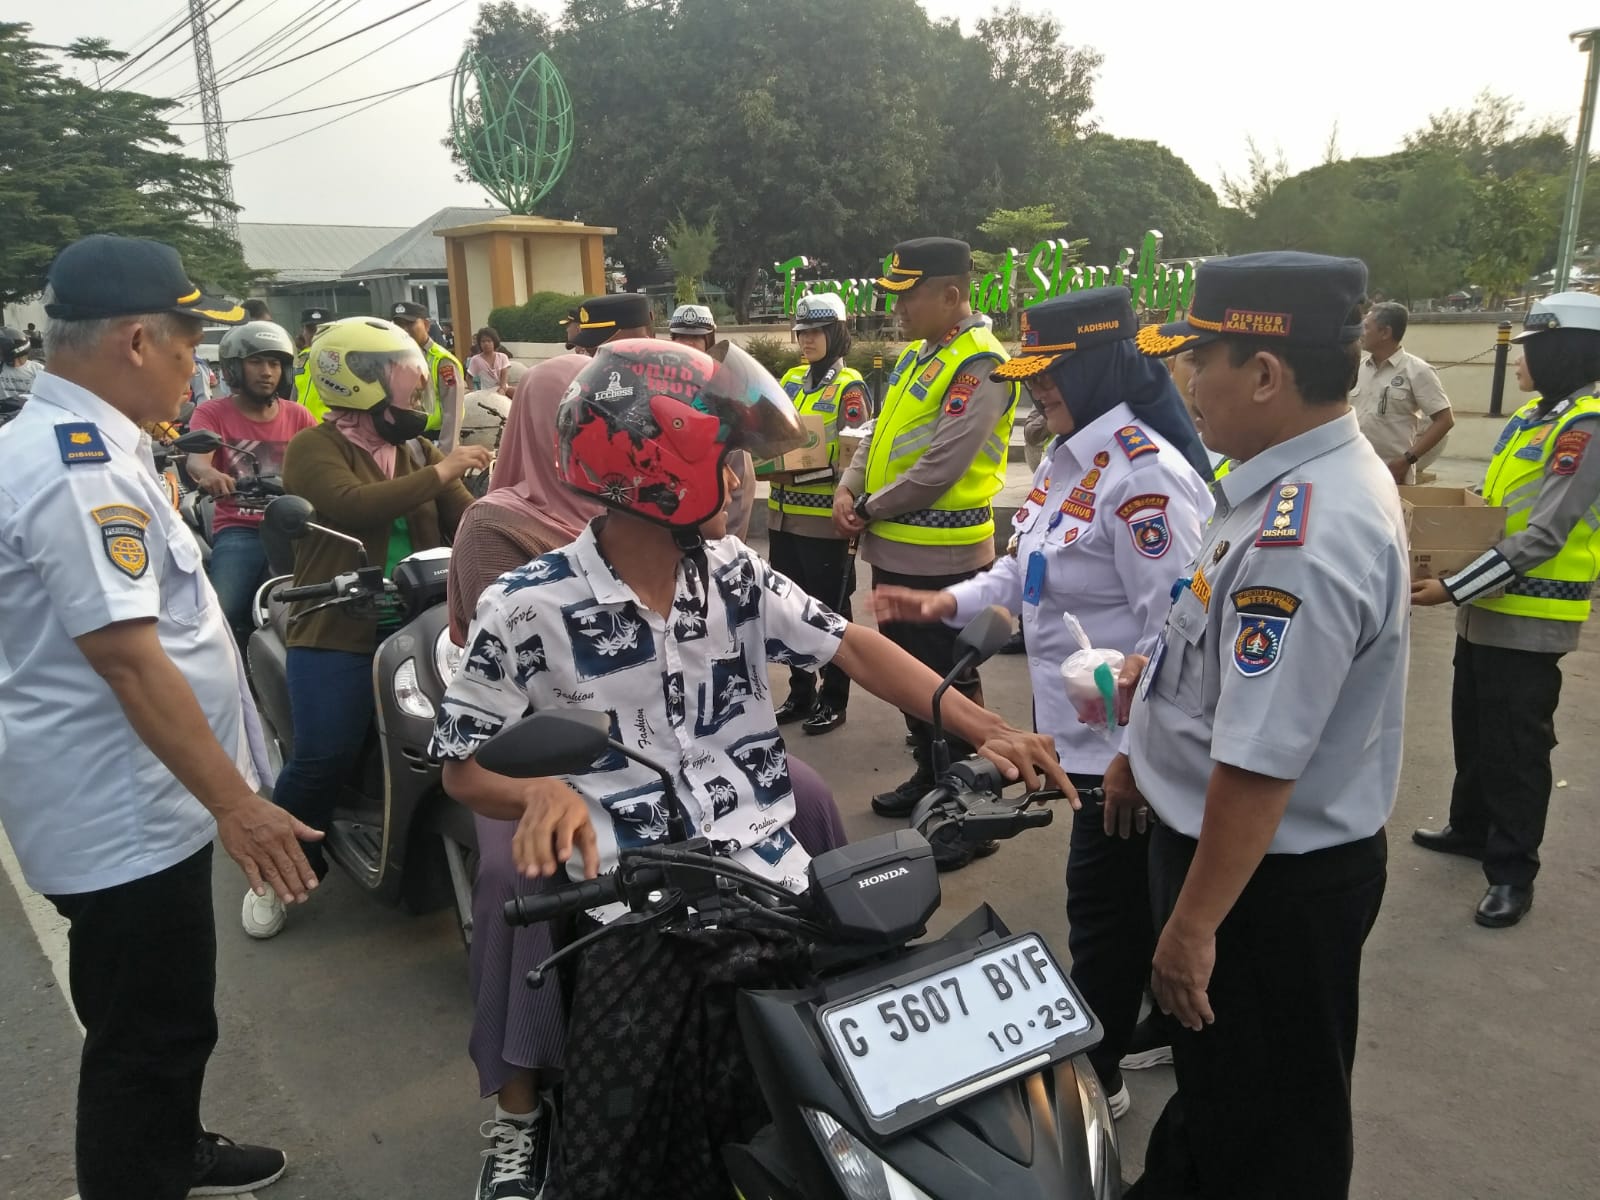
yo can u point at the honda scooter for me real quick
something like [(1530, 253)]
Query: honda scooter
[(394, 830), (199, 509), (947, 1069)]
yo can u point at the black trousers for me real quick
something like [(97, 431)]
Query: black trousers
[(824, 569), (1262, 1110), (143, 970), (1110, 932), (1502, 718), (934, 646)]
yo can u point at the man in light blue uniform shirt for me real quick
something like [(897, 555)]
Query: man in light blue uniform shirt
[(1266, 738), (127, 739)]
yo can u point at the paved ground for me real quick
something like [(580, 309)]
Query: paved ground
[(344, 1039)]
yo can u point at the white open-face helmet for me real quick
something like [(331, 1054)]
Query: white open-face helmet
[(1560, 310), (817, 311), (692, 318)]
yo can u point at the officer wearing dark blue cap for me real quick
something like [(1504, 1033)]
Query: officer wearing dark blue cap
[(1266, 736), (614, 315), (130, 741)]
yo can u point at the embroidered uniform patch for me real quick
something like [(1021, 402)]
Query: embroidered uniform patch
[(1264, 617), (1073, 508), (1147, 524), (80, 444), (1071, 535), (1201, 587), (829, 392), (1102, 459), (122, 528), (1285, 521), (1091, 479), (1134, 442), (1568, 452), (959, 392)]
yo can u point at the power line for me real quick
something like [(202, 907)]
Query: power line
[(232, 29), (127, 63), (206, 21), (343, 116), (323, 78), (325, 107), (272, 47)]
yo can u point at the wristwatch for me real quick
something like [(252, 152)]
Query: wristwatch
[(1411, 459), (861, 506)]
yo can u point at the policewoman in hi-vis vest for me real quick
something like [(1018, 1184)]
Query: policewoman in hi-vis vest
[(445, 374), (1114, 518), (918, 493), (1522, 606), (312, 322), (801, 539)]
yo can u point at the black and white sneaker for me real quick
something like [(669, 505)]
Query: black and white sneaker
[(1150, 1046), (222, 1167), (516, 1166)]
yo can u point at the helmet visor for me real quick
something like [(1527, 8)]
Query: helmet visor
[(744, 393), (403, 375)]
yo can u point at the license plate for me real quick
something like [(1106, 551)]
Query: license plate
[(922, 1044)]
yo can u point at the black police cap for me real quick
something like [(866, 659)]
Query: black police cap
[(926, 258), (409, 310), (314, 316), (104, 275), (1074, 322), (1279, 295), (600, 317)]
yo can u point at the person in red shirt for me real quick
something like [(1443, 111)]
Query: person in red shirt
[(258, 417)]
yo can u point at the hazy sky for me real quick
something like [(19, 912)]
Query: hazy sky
[(1286, 77)]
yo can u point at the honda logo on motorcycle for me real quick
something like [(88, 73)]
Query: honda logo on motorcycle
[(882, 877)]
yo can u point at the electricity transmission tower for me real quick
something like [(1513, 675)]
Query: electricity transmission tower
[(211, 111)]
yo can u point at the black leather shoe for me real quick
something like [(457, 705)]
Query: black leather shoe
[(903, 799), (1504, 904), (825, 719), (796, 708), (1448, 841)]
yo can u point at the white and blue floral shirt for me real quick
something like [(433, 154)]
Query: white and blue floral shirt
[(689, 691)]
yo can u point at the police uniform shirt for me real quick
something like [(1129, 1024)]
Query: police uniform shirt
[(689, 690), (89, 538), (1286, 655), (1115, 515)]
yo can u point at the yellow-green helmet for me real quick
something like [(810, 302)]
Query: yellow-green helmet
[(360, 362)]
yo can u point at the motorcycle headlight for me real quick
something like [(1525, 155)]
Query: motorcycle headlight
[(446, 657), (408, 694), (862, 1174), (1100, 1134)]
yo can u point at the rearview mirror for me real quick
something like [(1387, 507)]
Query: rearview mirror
[(198, 441), (289, 517), (985, 634), (556, 742)]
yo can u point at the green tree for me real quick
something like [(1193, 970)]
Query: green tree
[(1121, 187), (1507, 233), (1029, 55), (1491, 138), (690, 249), (79, 160), (1016, 229)]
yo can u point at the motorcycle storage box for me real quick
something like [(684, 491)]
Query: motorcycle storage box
[(421, 581), (884, 888)]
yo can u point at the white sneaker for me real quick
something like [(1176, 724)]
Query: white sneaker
[(263, 916), (1120, 1103)]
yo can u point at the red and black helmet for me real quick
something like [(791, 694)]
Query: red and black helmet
[(647, 425)]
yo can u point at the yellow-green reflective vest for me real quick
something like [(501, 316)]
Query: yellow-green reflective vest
[(814, 499), (912, 410), (437, 357), (1528, 449), (304, 390)]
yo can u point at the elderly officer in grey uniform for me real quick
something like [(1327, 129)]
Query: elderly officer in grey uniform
[(127, 740), (1266, 738)]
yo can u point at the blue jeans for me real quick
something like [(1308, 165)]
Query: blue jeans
[(330, 698), (238, 568)]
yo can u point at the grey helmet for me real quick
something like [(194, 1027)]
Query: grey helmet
[(13, 344), (252, 338)]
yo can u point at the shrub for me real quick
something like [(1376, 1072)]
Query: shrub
[(775, 355), (538, 319), (862, 352)]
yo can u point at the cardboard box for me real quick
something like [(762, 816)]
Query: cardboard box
[(850, 441), (810, 457), (1447, 528)]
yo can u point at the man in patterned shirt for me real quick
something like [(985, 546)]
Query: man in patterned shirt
[(669, 634)]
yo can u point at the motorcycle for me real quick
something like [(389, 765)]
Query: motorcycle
[(394, 830), (253, 492), (950, 1068)]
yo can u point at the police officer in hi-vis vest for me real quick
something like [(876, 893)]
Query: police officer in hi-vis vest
[(444, 372), (801, 539), (305, 392), (1522, 606), (918, 491)]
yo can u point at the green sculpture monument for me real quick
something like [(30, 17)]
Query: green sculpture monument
[(514, 132)]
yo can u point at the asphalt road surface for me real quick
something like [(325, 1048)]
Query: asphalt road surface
[(344, 1040)]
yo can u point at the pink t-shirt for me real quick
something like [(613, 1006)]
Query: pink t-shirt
[(264, 439), (484, 370)]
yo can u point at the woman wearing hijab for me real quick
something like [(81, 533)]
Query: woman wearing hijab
[(1115, 515), (518, 1032), (369, 473)]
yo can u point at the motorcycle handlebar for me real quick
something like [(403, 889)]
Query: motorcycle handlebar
[(313, 591), (565, 901)]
